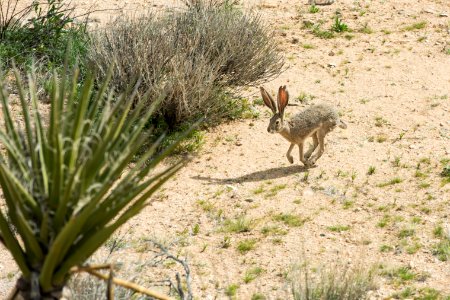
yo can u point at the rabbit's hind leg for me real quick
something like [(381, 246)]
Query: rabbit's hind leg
[(312, 147), (321, 139)]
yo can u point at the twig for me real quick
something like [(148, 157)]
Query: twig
[(185, 265), (123, 283)]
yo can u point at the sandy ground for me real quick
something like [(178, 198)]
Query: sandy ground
[(391, 86)]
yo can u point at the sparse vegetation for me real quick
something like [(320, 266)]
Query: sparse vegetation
[(339, 25), (338, 228), (238, 225), (393, 181), (415, 26), (247, 245), (194, 55), (332, 282), (252, 274), (290, 219)]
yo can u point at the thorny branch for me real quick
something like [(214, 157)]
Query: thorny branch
[(165, 254)]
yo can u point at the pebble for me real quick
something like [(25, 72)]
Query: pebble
[(308, 192), (443, 15), (331, 65)]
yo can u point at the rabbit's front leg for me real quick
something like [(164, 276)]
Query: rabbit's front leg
[(288, 154)]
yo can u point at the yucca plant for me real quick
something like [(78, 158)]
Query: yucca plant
[(66, 182)]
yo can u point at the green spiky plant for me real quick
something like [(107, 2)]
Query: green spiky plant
[(66, 184)]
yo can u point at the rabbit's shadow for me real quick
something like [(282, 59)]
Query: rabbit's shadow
[(272, 173)]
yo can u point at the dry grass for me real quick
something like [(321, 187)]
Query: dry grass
[(192, 56)]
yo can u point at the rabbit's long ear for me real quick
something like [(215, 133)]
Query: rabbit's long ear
[(283, 98), (268, 100)]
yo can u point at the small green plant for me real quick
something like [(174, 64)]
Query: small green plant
[(323, 34), (246, 245), (442, 249), (384, 221), (406, 232), (313, 9), (226, 242), (259, 190), (339, 25), (290, 220), (393, 181), (305, 98), (274, 190), (196, 229), (206, 205), (396, 162), (238, 225), (231, 290), (308, 46), (386, 248), (371, 170), (413, 248), (273, 230), (400, 274), (338, 228), (252, 274), (258, 296), (438, 231), (415, 26), (446, 174)]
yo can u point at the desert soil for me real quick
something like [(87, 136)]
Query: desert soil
[(391, 84)]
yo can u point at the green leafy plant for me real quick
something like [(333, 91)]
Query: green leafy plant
[(66, 184), (339, 25), (40, 31), (313, 9)]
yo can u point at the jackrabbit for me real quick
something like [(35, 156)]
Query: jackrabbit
[(320, 2), (315, 121)]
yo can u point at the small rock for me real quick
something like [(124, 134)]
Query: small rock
[(295, 40), (414, 146), (249, 200), (308, 192), (331, 65), (428, 10), (238, 143), (444, 15), (331, 53)]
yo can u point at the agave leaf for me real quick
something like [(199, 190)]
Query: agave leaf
[(119, 198), (32, 247), (9, 124), (17, 187), (13, 246), (41, 139), (77, 128), (15, 154), (88, 246)]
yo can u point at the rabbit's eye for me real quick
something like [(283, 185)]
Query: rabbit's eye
[(277, 122)]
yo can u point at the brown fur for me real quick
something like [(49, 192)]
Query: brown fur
[(315, 121)]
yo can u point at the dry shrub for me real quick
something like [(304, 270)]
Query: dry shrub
[(193, 57), (331, 282)]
